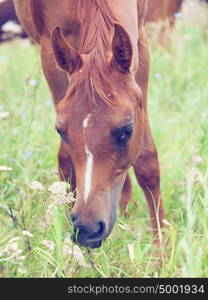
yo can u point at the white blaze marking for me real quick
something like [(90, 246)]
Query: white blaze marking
[(86, 121), (89, 164), (88, 173)]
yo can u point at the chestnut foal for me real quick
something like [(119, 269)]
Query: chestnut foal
[(96, 61)]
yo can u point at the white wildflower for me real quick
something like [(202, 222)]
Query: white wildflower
[(27, 233), (36, 186), (70, 249), (193, 176), (77, 253), (178, 15), (32, 82), (68, 241), (4, 168), (4, 115), (61, 199), (157, 75), (50, 212), (48, 244), (18, 252), (43, 223), (11, 248), (67, 250), (59, 196), (67, 246), (198, 159), (71, 198), (58, 187)]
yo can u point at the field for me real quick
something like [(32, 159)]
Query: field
[(34, 235)]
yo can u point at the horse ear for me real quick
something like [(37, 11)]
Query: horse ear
[(122, 49), (67, 58), (37, 16)]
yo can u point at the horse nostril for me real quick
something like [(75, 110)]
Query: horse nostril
[(98, 234), (102, 229), (74, 218)]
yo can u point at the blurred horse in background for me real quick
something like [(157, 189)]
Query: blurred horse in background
[(164, 13), (7, 14)]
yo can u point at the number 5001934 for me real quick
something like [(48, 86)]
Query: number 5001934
[(181, 289)]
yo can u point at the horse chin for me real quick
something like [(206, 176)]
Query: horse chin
[(86, 244)]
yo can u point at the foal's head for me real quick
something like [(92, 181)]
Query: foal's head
[(100, 120)]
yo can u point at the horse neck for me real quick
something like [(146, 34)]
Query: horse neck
[(97, 25)]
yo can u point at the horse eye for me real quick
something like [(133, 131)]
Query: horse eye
[(61, 133), (123, 135)]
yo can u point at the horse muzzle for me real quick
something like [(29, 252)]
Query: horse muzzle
[(90, 236)]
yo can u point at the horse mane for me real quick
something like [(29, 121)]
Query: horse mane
[(96, 33)]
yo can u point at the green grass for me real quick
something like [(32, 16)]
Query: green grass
[(178, 108)]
